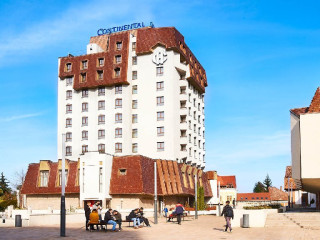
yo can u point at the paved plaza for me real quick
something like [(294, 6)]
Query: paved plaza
[(206, 227)]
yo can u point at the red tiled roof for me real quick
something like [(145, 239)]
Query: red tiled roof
[(139, 178), (227, 181), (31, 182), (147, 39), (253, 196), (313, 108)]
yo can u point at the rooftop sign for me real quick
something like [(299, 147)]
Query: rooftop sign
[(103, 31)]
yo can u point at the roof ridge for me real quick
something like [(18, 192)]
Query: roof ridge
[(315, 103)]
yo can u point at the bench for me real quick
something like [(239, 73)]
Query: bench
[(175, 216), (130, 221), (91, 225)]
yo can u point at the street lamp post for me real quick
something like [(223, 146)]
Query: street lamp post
[(63, 198), (155, 194), (219, 210)]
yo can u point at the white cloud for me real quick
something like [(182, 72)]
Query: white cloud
[(19, 117)]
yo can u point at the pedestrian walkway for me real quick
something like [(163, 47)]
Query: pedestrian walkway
[(206, 227)]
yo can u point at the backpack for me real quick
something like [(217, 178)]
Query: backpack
[(229, 212)]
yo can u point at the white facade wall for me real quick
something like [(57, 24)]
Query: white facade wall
[(295, 146)]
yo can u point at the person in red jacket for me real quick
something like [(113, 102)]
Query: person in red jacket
[(179, 211)]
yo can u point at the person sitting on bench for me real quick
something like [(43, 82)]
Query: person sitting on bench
[(108, 219), (118, 219), (133, 216), (94, 219), (143, 219)]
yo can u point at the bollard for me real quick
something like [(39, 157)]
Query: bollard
[(245, 221), (18, 221), (3, 220)]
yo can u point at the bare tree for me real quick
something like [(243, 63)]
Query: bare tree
[(18, 179)]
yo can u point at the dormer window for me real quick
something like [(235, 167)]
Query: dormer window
[(122, 171), (118, 58), (100, 62), (99, 74), (84, 64), (68, 67), (117, 72), (119, 45), (83, 77)]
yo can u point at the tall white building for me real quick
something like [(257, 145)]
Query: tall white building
[(134, 92)]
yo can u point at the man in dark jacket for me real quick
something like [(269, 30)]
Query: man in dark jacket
[(179, 211), (227, 212), (143, 219), (108, 218), (87, 212), (118, 219), (133, 216)]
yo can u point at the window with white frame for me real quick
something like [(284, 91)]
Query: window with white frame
[(84, 135), (159, 71), (101, 119), (118, 147), (119, 45), (85, 107), (118, 89), (69, 122), (134, 60), (68, 136), (44, 178), (69, 108), (69, 81), (160, 116), (118, 117), (133, 46), (60, 177), (160, 101), (118, 103), (100, 62), (135, 147), (160, 131), (134, 118), (101, 148), (118, 59), (101, 105), (68, 67), (84, 148), (84, 64), (134, 89), (84, 121), (134, 104), (134, 75), (160, 146), (101, 134), (85, 93), (160, 86), (101, 91), (68, 150), (134, 133), (69, 94), (118, 133)]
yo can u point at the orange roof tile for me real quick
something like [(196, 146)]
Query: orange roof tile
[(227, 181)]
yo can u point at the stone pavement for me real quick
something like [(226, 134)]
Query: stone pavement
[(206, 227)]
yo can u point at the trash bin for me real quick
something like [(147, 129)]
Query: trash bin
[(18, 221), (245, 221)]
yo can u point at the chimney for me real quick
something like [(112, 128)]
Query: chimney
[(281, 188)]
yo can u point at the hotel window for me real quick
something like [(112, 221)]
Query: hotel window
[(118, 147), (194, 115), (160, 131), (134, 104), (194, 128), (118, 117), (118, 103), (203, 146), (100, 179), (190, 152), (160, 86), (83, 77), (134, 118), (69, 108), (189, 97), (65, 179), (195, 141), (69, 94), (69, 122), (68, 67), (199, 131), (199, 143), (194, 102), (68, 151), (190, 125), (85, 107), (199, 120), (134, 89), (159, 71), (160, 116), (101, 133), (101, 119), (134, 133), (118, 89), (119, 45), (134, 147), (134, 60), (195, 154), (44, 178), (68, 136), (160, 146), (101, 105), (189, 138), (118, 133), (69, 81), (84, 148), (84, 121), (100, 62), (85, 93), (101, 91), (118, 59), (198, 106), (117, 72), (84, 135), (100, 75), (84, 64), (101, 148), (189, 111), (133, 46), (160, 101), (134, 75), (203, 134)]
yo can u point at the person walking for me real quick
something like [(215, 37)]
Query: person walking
[(108, 218), (87, 212), (165, 210), (179, 211), (227, 212)]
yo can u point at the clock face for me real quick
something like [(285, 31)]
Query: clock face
[(159, 56)]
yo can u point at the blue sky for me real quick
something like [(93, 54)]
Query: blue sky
[(261, 58)]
